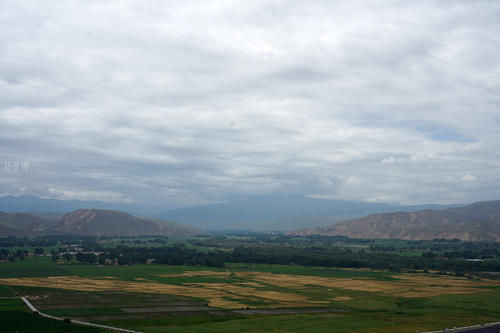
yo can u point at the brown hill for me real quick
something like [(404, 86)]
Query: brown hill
[(20, 220), (476, 222), (5, 230), (90, 222), (99, 222), (19, 224)]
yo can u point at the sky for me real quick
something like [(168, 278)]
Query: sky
[(182, 103)]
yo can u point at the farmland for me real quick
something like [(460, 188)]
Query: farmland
[(249, 297), (14, 317)]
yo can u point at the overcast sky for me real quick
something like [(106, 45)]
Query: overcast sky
[(189, 102)]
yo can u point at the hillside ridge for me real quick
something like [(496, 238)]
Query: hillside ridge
[(89, 222), (478, 221)]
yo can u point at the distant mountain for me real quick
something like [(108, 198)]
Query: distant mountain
[(5, 230), (89, 222), (27, 203), (22, 221), (173, 228), (98, 222), (279, 213), (476, 222), (287, 224), (48, 215), (263, 213)]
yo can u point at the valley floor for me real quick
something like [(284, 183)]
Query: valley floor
[(241, 298)]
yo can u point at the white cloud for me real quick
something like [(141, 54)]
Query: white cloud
[(388, 160), (87, 194), (193, 102), (469, 178)]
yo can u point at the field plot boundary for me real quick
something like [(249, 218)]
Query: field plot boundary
[(35, 310)]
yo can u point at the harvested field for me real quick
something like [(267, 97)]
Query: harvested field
[(404, 285), (225, 303), (222, 274), (267, 289), (218, 294), (141, 279), (86, 284), (108, 277), (247, 291)]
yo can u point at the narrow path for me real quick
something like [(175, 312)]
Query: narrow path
[(14, 294), (34, 310), (12, 290), (486, 328)]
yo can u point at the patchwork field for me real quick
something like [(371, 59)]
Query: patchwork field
[(255, 298), (261, 289)]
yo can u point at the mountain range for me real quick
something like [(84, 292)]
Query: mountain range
[(29, 203), (476, 222), (261, 213), (280, 213), (89, 222)]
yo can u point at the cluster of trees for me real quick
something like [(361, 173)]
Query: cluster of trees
[(236, 239), (171, 255), (341, 251), (326, 251), (13, 241), (275, 254), (162, 240), (355, 259), (18, 254), (474, 254), (64, 256), (13, 256)]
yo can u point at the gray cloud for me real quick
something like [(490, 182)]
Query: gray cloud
[(163, 102)]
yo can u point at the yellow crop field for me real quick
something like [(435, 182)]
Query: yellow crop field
[(289, 290)]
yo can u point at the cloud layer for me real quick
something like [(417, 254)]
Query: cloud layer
[(183, 103)]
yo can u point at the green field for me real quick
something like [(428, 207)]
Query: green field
[(118, 301), (6, 291), (15, 317), (32, 267), (43, 266)]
